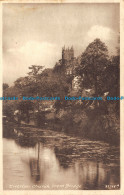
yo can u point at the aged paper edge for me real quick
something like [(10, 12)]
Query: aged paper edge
[(71, 192)]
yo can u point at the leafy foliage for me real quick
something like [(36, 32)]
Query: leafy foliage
[(5, 86), (94, 62), (96, 71)]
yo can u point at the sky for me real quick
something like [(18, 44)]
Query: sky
[(34, 34)]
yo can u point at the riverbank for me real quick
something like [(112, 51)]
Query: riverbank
[(97, 124), (87, 125)]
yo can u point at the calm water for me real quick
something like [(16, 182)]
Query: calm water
[(44, 159)]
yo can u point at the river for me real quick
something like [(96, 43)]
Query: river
[(36, 159)]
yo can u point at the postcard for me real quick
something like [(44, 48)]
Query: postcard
[(62, 97)]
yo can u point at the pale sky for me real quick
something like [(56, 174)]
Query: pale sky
[(36, 33)]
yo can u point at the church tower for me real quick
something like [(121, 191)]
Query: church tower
[(68, 60), (67, 54)]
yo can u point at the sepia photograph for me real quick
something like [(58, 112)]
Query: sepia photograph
[(61, 96)]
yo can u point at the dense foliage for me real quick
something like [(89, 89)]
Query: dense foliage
[(98, 72)]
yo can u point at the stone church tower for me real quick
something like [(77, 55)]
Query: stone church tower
[(68, 59), (67, 65), (67, 54)]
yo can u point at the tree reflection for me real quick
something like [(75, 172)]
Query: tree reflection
[(25, 139), (35, 166), (64, 155)]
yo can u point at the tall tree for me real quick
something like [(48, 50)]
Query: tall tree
[(5, 86), (94, 62)]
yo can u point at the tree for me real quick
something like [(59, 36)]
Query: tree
[(113, 76), (94, 61), (24, 107), (36, 70), (113, 79), (5, 86), (41, 82), (29, 84)]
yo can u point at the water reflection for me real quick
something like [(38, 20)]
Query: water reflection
[(34, 158), (35, 166)]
